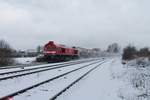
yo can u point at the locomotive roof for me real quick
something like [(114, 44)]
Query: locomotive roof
[(58, 45)]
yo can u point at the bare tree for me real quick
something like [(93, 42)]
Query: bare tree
[(144, 52), (130, 52), (39, 49), (5, 53), (113, 48)]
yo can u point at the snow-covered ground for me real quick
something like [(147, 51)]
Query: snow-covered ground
[(25, 60), (22, 61), (98, 85), (11, 85), (46, 91), (111, 81), (40, 65), (137, 76)]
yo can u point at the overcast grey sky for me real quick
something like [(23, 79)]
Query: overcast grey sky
[(87, 23)]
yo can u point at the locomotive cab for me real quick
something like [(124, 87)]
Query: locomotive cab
[(50, 48)]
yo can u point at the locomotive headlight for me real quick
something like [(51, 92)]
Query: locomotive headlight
[(53, 52), (50, 52)]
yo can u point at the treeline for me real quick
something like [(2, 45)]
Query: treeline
[(5, 53), (131, 52)]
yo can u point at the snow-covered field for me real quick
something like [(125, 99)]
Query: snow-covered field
[(22, 61), (111, 81), (25, 60)]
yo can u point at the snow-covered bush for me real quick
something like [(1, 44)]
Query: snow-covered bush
[(129, 53), (137, 75), (139, 62), (141, 82)]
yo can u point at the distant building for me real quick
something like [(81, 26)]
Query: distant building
[(25, 53), (31, 52)]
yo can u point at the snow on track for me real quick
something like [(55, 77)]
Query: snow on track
[(28, 67), (24, 72), (36, 66), (48, 90), (34, 70), (11, 85)]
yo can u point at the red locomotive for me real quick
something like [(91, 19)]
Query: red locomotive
[(55, 52)]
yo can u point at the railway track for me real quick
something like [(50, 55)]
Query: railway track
[(74, 82), (41, 66), (54, 78), (21, 66), (39, 69), (31, 65)]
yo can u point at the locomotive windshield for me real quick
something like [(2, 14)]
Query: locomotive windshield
[(51, 48)]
